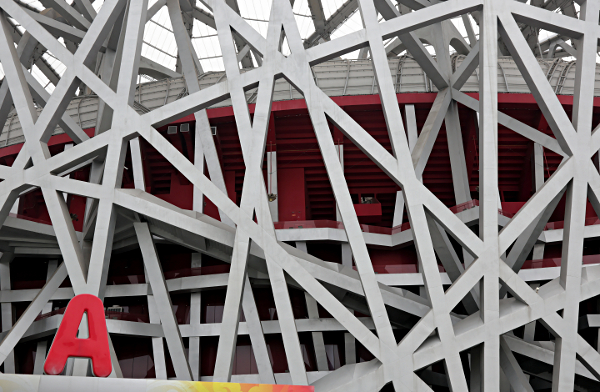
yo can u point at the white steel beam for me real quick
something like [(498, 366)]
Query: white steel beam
[(245, 236)]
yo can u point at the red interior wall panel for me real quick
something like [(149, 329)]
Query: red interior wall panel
[(291, 194)]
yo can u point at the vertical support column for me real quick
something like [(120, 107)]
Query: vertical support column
[(350, 348), (339, 149), (158, 348), (475, 363), (318, 342), (302, 246), (198, 196), (195, 313), (196, 298), (52, 266), (41, 350), (411, 130), (287, 323), (458, 164), (257, 336), (313, 313), (499, 197), (7, 307), (164, 307), (346, 250), (538, 251), (529, 330), (40, 358), (565, 352), (538, 172), (598, 332), (467, 257), (346, 255), (538, 165), (411, 126), (136, 162), (231, 312), (272, 173), (272, 184), (158, 351), (488, 172), (398, 209), (68, 146)]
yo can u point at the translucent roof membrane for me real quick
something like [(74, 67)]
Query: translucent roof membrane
[(159, 42)]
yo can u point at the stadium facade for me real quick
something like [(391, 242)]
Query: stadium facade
[(423, 217)]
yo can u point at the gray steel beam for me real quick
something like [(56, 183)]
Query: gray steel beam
[(68, 12), (85, 8), (333, 22), (318, 17)]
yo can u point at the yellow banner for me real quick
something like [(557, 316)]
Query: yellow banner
[(34, 383)]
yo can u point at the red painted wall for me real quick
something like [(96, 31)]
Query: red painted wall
[(291, 194)]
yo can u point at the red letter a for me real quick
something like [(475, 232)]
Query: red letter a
[(66, 343)]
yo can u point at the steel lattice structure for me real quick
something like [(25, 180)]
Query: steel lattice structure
[(492, 259)]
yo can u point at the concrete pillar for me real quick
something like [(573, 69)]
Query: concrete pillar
[(475, 362), (302, 246), (52, 266), (158, 348), (339, 148), (41, 350), (195, 313), (460, 178), (272, 184), (538, 172), (68, 146), (313, 313), (529, 331), (40, 357), (411, 131), (538, 165), (318, 342), (346, 255), (136, 162), (398, 209), (7, 307), (350, 348)]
